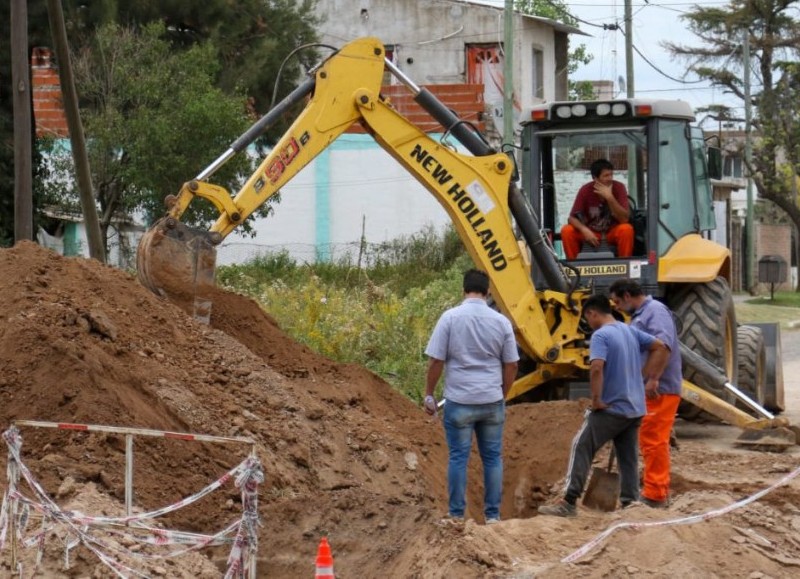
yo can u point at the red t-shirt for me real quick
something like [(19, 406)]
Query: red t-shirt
[(593, 211)]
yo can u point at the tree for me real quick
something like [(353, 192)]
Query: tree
[(251, 39), (557, 10), (774, 36), (152, 116), (38, 30)]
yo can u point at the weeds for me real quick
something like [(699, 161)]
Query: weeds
[(379, 316)]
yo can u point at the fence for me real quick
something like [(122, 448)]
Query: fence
[(16, 509)]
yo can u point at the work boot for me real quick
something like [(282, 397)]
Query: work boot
[(631, 504), (653, 504), (560, 509)]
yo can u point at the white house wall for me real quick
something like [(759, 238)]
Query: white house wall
[(429, 37), (321, 212), (354, 181)]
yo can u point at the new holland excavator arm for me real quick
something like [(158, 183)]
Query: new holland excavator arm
[(476, 191)]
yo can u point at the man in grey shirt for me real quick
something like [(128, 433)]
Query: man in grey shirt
[(476, 347)]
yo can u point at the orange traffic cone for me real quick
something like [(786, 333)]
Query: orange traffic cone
[(324, 560)]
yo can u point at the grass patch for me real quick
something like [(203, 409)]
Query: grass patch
[(379, 316), (782, 299), (784, 309)]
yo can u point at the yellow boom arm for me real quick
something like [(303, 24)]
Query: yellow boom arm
[(472, 189)]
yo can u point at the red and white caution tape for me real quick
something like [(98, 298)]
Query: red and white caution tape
[(138, 431), (584, 550), (80, 528)]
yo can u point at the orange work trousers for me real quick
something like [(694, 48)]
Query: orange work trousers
[(654, 443), (620, 235)]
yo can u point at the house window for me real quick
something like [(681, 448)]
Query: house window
[(733, 167), (537, 75)]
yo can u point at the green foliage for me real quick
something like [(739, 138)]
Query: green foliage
[(552, 9), (784, 310), (343, 313), (153, 117), (774, 38), (252, 37), (783, 299), (400, 265)]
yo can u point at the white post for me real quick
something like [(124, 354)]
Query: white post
[(128, 474)]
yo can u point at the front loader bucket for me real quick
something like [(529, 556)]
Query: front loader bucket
[(178, 262), (775, 439)]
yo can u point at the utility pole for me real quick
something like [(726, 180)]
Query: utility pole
[(629, 49), (23, 139), (81, 158), (508, 74), (748, 156)]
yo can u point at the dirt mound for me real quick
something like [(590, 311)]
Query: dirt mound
[(84, 343), (344, 455)]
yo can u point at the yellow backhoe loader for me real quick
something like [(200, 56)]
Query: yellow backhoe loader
[(652, 144)]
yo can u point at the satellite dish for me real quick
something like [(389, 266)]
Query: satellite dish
[(621, 83)]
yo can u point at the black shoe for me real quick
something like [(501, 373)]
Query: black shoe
[(560, 509), (654, 504)]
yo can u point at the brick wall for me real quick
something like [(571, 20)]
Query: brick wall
[(48, 108), (774, 240), (466, 100)]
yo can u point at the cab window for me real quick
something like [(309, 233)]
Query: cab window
[(678, 214)]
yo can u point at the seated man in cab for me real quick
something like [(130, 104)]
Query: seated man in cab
[(600, 209)]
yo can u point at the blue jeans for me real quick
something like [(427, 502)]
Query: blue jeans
[(486, 420)]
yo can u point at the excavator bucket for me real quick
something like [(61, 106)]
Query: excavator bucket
[(178, 262), (776, 439)]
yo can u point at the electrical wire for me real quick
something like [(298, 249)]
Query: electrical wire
[(285, 60), (567, 13)]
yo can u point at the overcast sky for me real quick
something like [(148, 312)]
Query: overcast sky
[(654, 22)]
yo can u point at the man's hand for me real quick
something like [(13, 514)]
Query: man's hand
[(651, 388), (598, 404), (603, 191), (591, 237), (430, 405)]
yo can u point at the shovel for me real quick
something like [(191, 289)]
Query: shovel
[(603, 490)]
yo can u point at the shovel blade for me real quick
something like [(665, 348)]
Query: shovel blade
[(603, 490)]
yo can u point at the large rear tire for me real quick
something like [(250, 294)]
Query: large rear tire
[(706, 322), (752, 362), (774, 399)]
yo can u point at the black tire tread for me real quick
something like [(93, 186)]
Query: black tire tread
[(752, 364), (702, 310)]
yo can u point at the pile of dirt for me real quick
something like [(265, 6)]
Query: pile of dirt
[(344, 455)]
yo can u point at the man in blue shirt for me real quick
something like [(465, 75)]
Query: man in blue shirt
[(654, 318), (618, 402), (476, 346)]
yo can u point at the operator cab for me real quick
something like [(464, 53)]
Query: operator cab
[(658, 157)]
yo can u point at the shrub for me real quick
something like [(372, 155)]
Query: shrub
[(379, 317)]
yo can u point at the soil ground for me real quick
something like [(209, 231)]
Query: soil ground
[(344, 456)]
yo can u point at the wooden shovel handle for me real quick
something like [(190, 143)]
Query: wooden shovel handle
[(611, 458)]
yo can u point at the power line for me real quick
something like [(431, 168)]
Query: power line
[(662, 73), (566, 12)]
